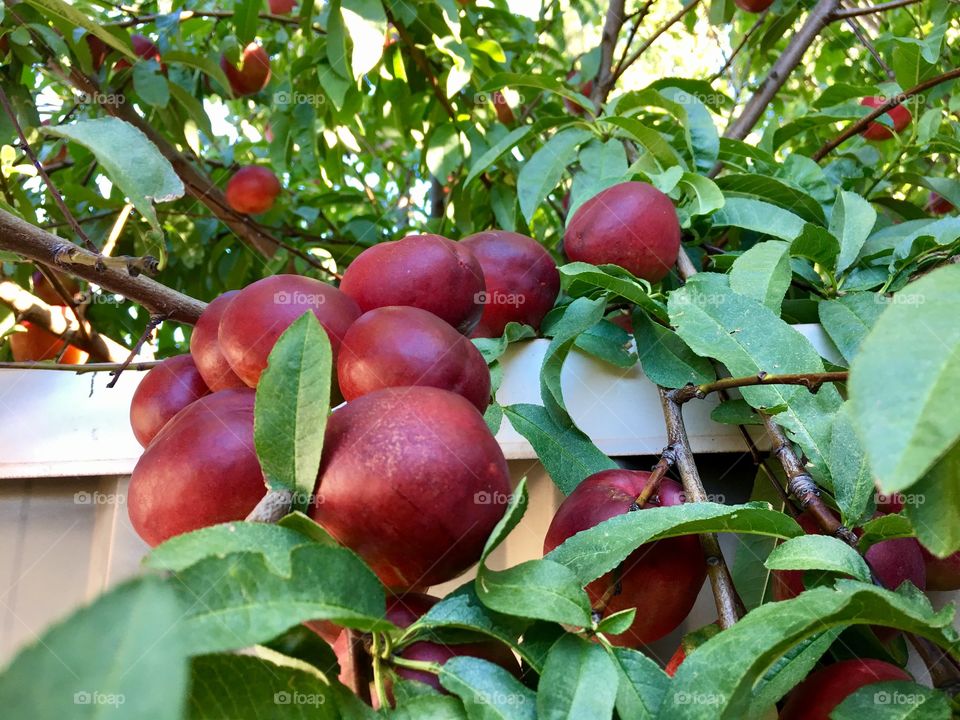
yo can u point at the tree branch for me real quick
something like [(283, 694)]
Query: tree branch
[(811, 381), (34, 310), (216, 14), (792, 56), (743, 42), (26, 240), (862, 123), (675, 18), (608, 44), (858, 11)]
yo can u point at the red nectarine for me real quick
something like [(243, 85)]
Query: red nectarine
[(163, 392), (898, 114), (824, 689), (253, 73), (205, 346), (252, 190)]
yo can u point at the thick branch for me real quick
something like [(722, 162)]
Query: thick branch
[(858, 11), (792, 56), (608, 43), (26, 240), (729, 606), (34, 310), (862, 123), (811, 381)]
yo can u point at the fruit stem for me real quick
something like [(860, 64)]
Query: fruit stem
[(378, 672), (667, 458), (422, 665)]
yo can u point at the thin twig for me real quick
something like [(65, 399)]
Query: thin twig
[(811, 381), (892, 102), (861, 34), (85, 369), (858, 11), (217, 14), (667, 458), (152, 324), (675, 18), (743, 42)]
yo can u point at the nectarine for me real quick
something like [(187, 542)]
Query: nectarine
[(898, 114), (824, 689), (253, 73), (205, 346), (163, 392), (252, 190)]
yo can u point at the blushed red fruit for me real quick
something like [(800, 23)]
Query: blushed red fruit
[(201, 469), (899, 116), (252, 190), (205, 346), (502, 107), (521, 278), (939, 205), (98, 51), (257, 316), (425, 271), (817, 696), (942, 573), (282, 7), (660, 579), (44, 290), (404, 346), (36, 343), (253, 73), (164, 391), (892, 561), (143, 48), (753, 6), (632, 225), (413, 481)]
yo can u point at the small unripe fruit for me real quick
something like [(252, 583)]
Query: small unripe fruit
[(200, 470), (44, 290), (143, 48), (253, 73), (898, 114), (98, 51), (504, 113), (939, 205), (205, 346), (753, 6), (163, 392), (413, 481), (252, 190), (407, 346), (660, 579), (817, 696), (282, 7), (255, 319), (632, 225), (425, 271), (521, 278)]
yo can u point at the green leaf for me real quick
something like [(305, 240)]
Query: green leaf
[(245, 19), (908, 420), (124, 655), (273, 542), (885, 527), (567, 454), (243, 603), (851, 221), (543, 170), (292, 404), (852, 479), (649, 139), (617, 623), (817, 245), (578, 681), (246, 688), (642, 684), (488, 691), (511, 517), (763, 273), (735, 412), (761, 217), (594, 552), (608, 342), (538, 589), (366, 23), (201, 62), (666, 359), (77, 18), (772, 190), (790, 670), (704, 195), (496, 151), (818, 552), (579, 316), (848, 319), (542, 82), (581, 279), (150, 84), (428, 707), (140, 171), (725, 668), (933, 505), (893, 700)]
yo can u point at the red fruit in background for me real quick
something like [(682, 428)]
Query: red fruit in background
[(675, 661), (282, 7), (98, 51), (753, 6), (143, 48), (205, 346), (252, 189), (504, 113), (632, 225), (898, 114), (817, 696), (163, 392), (521, 278), (585, 88), (404, 346), (257, 316), (939, 205), (44, 290), (253, 73), (425, 271), (413, 481), (36, 344), (660, 579), (201, 469), (942, 573)]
